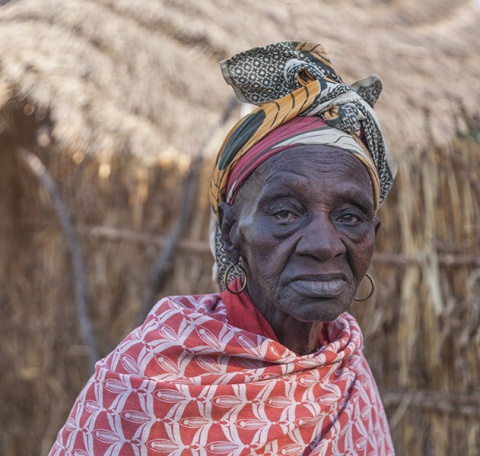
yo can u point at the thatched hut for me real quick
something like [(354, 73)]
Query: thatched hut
[(103, 105)]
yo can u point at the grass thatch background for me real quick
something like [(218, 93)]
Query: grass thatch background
[(117, 75), (115, 96)]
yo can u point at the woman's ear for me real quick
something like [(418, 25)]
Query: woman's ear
[(227, 223)]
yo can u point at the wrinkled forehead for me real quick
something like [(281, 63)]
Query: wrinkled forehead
[(314, 164), (304, 158)]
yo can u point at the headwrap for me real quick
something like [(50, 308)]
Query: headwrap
[(301, 100), (296, 79)]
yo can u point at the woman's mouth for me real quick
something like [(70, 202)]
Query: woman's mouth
[(320, 288)]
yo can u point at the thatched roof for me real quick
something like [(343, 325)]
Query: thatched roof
[(116, 75)]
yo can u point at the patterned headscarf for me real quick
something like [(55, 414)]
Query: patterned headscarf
[(291, 81)]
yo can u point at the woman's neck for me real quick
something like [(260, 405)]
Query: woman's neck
[(301, 337)]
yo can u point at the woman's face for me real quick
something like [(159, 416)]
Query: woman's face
[(304, 226)]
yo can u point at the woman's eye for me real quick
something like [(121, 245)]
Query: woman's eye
[(349, 219), (284, 215)]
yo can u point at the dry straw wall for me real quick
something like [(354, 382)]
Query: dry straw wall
[(120, 220), (423, 330)]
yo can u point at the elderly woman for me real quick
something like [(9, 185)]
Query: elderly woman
[(272, 365)]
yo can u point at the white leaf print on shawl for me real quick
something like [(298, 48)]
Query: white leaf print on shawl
[(186, 382)]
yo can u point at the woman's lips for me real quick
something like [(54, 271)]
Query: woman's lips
[(321, 288)]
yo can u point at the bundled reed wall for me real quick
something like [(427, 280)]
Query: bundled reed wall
[(421, 327), (422, 330), (122, 212)]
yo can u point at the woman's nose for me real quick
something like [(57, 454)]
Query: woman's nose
[(320, 238)]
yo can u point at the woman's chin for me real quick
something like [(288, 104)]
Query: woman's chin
[(325, 309)]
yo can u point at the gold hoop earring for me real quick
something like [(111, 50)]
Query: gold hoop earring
[(244, 279), (372, 283)]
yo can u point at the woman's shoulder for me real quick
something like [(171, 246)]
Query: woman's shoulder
[(168, 324), (210, 304)]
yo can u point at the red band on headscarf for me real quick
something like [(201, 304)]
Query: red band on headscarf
[(267, 147)]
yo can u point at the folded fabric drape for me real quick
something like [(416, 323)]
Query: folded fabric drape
[(188, 382)]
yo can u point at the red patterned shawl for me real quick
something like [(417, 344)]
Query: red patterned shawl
[(188, 383)]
